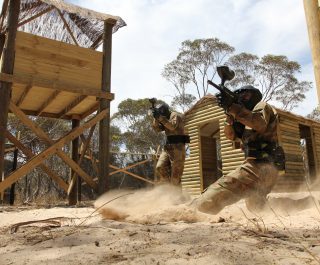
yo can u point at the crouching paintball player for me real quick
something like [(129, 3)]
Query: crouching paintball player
[(254, 122), (170, 165)]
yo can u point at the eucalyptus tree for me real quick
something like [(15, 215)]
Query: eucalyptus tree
[(274, 75)]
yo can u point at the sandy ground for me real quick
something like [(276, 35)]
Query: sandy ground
[(153, 227)]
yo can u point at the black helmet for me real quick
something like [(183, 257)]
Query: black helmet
[(164, 110), (256, 96)]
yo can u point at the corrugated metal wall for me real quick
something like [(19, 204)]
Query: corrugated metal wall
[(290, 141), (316, 134), (200, 115)]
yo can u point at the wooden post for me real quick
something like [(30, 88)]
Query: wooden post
[(7, 67), (2, 42), (104, 125), (311, 8), (75, 157), (14, 167)]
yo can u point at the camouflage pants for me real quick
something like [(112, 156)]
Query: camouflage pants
[(251, 181), (170, 165)]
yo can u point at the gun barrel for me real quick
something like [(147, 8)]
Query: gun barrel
[(223, 89), (216, 86)]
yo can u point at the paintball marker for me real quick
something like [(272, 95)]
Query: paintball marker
[(155, 112), (153, 102), (226, 97)]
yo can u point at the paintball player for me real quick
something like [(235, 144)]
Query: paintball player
[(254, 122), (170, 165)]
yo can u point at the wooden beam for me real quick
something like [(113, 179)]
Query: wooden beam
[(72, 193), (83, 152), (67, 27), (38, 159), (128, 167), (72, 105), (24, 94), (50, 115), (35, 16), (7, 67), (94, 163), (48, 102), (28, 152), (75, 167), (104, 126), (94, 108), (14, 167), (3, 13), (42, 135), (132, 174), (311, 8), (2, 42), (25, 120), (54, 84)]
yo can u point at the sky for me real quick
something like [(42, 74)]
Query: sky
[(156, 28)]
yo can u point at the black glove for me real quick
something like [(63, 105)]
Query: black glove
[(224, 101), (238, 129), (155, 113)]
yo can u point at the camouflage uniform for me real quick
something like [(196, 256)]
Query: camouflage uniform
[(170, 165), (254, 179)]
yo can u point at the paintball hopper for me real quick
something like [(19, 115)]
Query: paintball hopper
[(152, 101), (225, 73)]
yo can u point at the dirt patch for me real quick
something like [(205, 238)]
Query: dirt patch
[(156, 228)]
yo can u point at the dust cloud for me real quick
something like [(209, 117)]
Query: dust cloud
[(167, 203), (164, 203), (298, 197)]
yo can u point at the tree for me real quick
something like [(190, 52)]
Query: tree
[(183, 102), (194, 65), (244, 65), (314, 115), (274, 75), (196, 62), (138, 135)]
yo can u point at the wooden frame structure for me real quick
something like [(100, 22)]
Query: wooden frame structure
[(124, 170), (312, 12), (65, 79), (212, 154)]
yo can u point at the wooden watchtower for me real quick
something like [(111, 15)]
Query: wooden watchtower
[(50, 68)]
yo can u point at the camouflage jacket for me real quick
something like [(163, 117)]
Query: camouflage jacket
[(172, 126), (260, 123)]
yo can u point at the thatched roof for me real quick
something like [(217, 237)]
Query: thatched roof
[(58, 18)]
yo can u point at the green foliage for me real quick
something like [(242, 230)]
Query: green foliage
[(183, 103), (274, 75), (196, 62), (314, 115), (135, 122), (115, 138), (244, 66)]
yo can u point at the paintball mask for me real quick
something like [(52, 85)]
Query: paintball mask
[(249, 101), (163, 110)]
